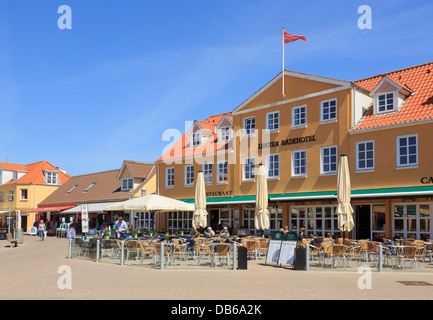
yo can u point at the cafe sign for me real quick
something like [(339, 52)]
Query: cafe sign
[(287, 142), (427, 180)]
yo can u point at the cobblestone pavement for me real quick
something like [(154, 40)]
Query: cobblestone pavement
[(31, 271)]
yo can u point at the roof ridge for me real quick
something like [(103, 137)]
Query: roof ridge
[(395, 71), (92, 173)]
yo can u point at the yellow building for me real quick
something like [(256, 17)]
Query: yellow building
[(383, 124), (23, 187)]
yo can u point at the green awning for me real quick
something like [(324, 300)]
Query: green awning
[(365, 193)]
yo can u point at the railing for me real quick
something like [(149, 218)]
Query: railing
[(158, 254), (376, 256)]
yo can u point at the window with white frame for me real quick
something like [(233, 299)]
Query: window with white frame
[(365, 155), (299, 163), (179, 221), (317, 220), (328, 159), (412, 221), (249, 126), (189, 175), (23, 194), (275, 219), (11, 195), (385, 102), (222, 171), (196, 139), (249, 169), (127, 184), (14, 176), (273, 165), (273, 121), (328, 110), (145, 220), (169, 177), (224, 134), (407, 150), (207, 173), (299, 116), (51, 177)]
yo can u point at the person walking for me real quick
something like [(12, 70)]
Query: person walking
[(42, 228)]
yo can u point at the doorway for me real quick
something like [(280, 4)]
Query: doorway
[(214, 218), (363, 221)]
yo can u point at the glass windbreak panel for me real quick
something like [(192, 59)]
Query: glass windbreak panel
[(378, 217)]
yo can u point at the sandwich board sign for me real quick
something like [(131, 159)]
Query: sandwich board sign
[(287, 252), (281, 249)]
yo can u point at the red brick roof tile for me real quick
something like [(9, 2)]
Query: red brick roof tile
[(418, 106)]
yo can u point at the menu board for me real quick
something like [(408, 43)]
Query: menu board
[(84, 219), (274, 249), (287, 252)]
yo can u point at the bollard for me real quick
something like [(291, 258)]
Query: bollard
[(162, 256), (308, 257), (122, 252), (70, 249), (98, 243), (380, 259), (235, 255)]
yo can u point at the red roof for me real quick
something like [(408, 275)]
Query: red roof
[(418, 106), (35, 172), (182, 147)]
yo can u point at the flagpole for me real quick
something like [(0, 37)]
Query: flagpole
[(283, 65)]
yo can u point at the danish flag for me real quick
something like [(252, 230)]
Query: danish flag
[(289, 38)]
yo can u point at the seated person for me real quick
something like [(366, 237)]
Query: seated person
[(224, 232), (210, 232)]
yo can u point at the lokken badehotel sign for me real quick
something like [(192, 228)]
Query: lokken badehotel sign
[(287, 142)]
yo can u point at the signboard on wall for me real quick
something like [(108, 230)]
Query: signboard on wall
[(84, 219)]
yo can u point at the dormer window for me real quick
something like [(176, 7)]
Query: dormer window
[(51, 177), (224, 134), (385, 102), (127, 184), (196, 139)]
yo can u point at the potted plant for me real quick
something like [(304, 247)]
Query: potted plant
[(300, 257)]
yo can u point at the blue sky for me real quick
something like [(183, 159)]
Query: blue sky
[(87, 98)]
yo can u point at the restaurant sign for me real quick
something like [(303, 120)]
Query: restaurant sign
[(287, 142), (218, 194)]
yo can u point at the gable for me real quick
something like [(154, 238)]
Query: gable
[(296, 86)]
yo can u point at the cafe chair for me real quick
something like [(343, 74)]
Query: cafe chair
[(146, 250), (221, 250), (408, 255), (202, 250), (338, 252)]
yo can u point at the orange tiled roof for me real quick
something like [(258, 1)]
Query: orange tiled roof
[(182, 147), (418, 106), (35, 172)]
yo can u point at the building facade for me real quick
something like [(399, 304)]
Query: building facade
[(98, 190), (24, 187), (383, 124)]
